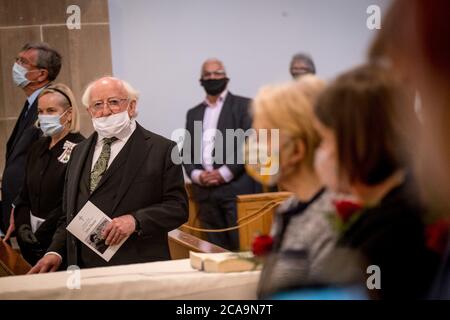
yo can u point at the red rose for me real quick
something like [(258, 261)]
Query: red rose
[(437, 235), (262, 245), (345, 209)]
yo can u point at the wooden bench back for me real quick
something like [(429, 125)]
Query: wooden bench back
[(11, 262), (248, 205), (180, 243)]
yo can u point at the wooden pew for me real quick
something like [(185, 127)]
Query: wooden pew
[(248, 205), (11, 262), (193, 215), (180, 243)]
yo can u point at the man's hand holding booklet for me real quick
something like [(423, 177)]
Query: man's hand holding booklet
[(88, 226)]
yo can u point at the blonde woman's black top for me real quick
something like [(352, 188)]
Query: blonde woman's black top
[(41, 195)]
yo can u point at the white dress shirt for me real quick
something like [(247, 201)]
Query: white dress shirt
[(116, 146), (210, 120), (34, 96)]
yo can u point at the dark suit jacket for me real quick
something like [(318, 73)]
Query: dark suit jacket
[(142, 180), (391, 235), (441, 286), (234, 115), (20, 141)]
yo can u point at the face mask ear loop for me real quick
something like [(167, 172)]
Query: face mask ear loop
[(28, 71), (283, 172), (62, 114)]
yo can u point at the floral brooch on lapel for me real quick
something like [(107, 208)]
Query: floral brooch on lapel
[(65, 156)]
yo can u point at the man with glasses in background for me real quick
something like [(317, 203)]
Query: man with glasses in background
[(37, 64), (218, 177), (301, 64), (128, 173)]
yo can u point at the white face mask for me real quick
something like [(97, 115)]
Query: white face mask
[(112, 125), (18, 74), (50, 124), (326, 168), (262, 164)]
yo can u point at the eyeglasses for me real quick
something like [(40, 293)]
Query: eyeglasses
[(112, 103), (218, 73), (24, 62), (296, 70)]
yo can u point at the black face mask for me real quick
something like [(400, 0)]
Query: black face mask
[(214, 87)]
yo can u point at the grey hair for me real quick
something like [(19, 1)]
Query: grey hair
[(48, 58), (216, 60), (306, 59), (132, 93)]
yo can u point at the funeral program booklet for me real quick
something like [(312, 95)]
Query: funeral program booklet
[(88, 225)]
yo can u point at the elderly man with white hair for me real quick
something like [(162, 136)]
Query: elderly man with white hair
[(128, 173)]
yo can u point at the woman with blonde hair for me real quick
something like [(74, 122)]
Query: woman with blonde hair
[(300, 231), (37, 209)]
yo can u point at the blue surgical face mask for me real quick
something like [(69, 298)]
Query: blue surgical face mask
[(50, 124), (18, 73)]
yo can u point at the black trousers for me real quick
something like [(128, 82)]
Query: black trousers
[(220, 213), (217, 208)]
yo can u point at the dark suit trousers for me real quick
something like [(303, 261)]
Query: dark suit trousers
[(217, 213)]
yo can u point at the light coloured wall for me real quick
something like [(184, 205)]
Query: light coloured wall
[(159, 46), (86, 52)]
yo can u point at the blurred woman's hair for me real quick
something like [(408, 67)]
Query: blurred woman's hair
[(288, 107), (366, 109), (67, 100), (414, 42), (418, 30)]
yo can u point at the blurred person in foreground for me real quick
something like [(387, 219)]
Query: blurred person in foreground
[(301, 232), (366, 151), (414, 43)]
